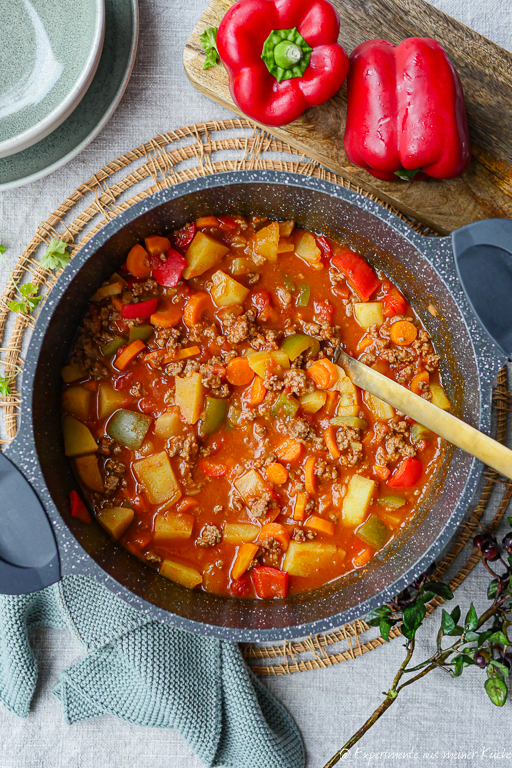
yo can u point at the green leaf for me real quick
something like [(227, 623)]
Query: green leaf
[(414, 615), (471, 636), (492, 589), (407, 175), (439, 589), (17, 306), (29, 300), (459, 666), (447, 623), (483, 636), (508, 518), (385, 626), (496, 690), (455, 614), (499, 637), (408, 632), (5, 388), (209, 45), (374, 617), (471, 621), (499, 666), (2, 250), (56, 255)]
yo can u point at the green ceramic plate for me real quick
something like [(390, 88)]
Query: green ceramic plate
[(94, 110)]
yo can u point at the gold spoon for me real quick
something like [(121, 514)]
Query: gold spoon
[(442, 423)]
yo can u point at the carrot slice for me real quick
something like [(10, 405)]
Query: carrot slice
[(332, 445), (182, 354), (403, 333), (323, 373), (186, 503), (309, 475), (330, 404), (207, 221), (275, 531), (244, 556), (118, 304), (128, 354), (276, 473), (362, 558), (239, 372), (320, 525), (382, 472), (156, 245), (137, 262), (290, 450), (256, 393), (166, 318), (301, 501), (363, 343), (422, 377), (195, 308)]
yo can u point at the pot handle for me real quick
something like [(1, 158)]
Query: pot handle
[(29, 558)]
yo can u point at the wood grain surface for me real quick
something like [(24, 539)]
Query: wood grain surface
[(484, 191)]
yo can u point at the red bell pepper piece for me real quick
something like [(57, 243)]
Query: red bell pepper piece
[(211, 469), (184, 236), (140, 311), (270, 582), (407, 474), (240, 587), (406, 111), (282, 56), (324, 246), (394, 302), (358, 272), (78, 508), (170, 271)]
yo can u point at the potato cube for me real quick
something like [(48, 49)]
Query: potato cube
[(181, 574), (357, 500), (189, 396), (226, 291), (250, 485), (77, 437), (72, 372), (241, 266), (269, 362), (89, 473), (115, 520), (109, 400), (286, 228), (306, 247), (106, 291), (237, 533), (77, 401), (169, 527), (305, 559), (266, 241), (348, 403), (381, 410), (369, 313), (169, 424), (156, 476), (439, 398), (203, 252), (313, 401)]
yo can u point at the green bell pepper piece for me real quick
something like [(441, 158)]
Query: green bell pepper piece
[(373, 532), (142, 332), (298, 343), (303, 295), (216, 411), (419, 432), (349, 421), (391, 502), (129, 428), (285, 405), (288, 283), (111, 347)]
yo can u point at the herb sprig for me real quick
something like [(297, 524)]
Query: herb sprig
[(56, 255), (209, 45)]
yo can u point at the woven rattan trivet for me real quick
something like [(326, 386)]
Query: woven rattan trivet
[(168, 159)]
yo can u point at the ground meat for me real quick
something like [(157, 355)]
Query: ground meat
[(253, 277), (218, 508), (105, 446), (174, 369), (152, 557), (201, 332), (403, 375), (395, 436), (396, 357), (148, 286), (185, 447), (210, 536), (136, 390), (323, 331), (262, 506), (431, 362), (211, 377), (239, 331), (299, 429), (273, 384), (111, 484), (271, 550), (115, 467), (260, 431), (325, 471), (347, 439), (298, 382), (424, 390), (299, 534)]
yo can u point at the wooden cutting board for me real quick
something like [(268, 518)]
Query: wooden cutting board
[(485, 190)]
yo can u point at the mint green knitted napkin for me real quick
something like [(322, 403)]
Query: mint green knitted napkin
[(147, 673)]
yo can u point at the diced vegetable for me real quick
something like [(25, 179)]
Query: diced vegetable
[(156, 245), (128, 354), (286, 406), (156, 476), (277, 532), (403, 333), (419, 432), (109, 400), (89, 473), (107, 291), (381, 472), (167, 318), (189, 396), (289, 450), (358, 498), (286, 228), (182, 354), (362, 558), (250, 486), (303, 295), (391, 519), (78, 439), (407, 474), (256, 393), (419, 381), (269, 362), (171, 270), (195, 308), (330, 441), (349, 421), (285, 245), (77, 401), (129, 428), (305, 559), (173, 527), (357, 271), (299, 509), (237, 533), (142, 332), (78, 508), (239, 372), (320, 525), (323, 373), (306, 247), (184, 236), (313, 401), (111, 347), (276, 473), (296, 344), (226, 291), (137, 262), (212, 468), (374, 532), (207, 221), (266, 241), (141, 311), (241, 266), (310, 478), (168, 424), (72, 372), (391, 502), (181, 574), (369, 313), (288, 283), (381, 410), (439, 398), (216, 411), (202, 254), (244, 557), (115, 520), (270, 582), (394, 302)]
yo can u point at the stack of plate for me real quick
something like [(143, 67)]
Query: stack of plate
[(65, 65)]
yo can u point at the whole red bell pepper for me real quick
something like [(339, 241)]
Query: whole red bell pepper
[(282, 56), (406, 115)]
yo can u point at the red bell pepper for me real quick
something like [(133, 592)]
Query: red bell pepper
[(211, 469), (184, 236), (270, 582), (358, 272), (282, 56), (394, 302), (140, 311), (407, 474), (78, 508), (406, 111), (169, 272)]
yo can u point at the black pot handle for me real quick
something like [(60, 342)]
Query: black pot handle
[(29, 558)]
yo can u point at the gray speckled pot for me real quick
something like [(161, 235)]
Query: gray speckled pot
[(422, 266)]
